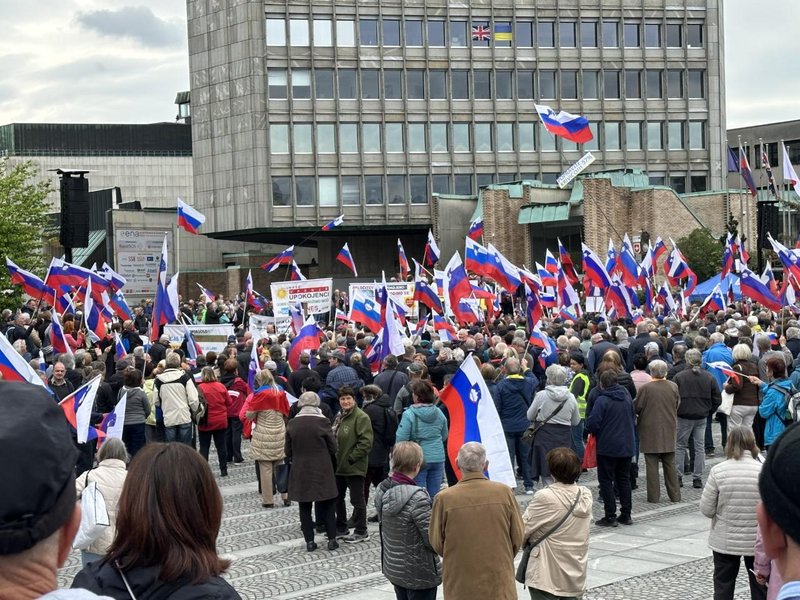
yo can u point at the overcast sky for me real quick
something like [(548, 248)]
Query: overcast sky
[(95, 61)]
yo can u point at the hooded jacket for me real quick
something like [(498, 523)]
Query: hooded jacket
[(700, 395), (384, 429), (426, 425), (512, 396), (613, 422), (238, 390), (407, 559), (176, 394), (547, 401)]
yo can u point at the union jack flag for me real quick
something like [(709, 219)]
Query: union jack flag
[(481, 33)]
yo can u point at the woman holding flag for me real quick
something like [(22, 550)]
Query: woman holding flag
[(745, 392)]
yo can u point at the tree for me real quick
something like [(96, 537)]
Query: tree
[(23, 224), (703, 253)]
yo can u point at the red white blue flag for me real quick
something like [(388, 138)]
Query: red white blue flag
[(188, 218), (346, 259)]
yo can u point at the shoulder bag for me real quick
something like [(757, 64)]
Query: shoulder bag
[(530, 432), (94, 516), (522, 568)]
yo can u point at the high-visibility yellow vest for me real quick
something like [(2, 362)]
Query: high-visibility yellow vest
[(582, 398)]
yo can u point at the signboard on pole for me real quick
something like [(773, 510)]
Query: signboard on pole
[(313, 295), (210, 338), (402, 292), (259, 325), (136, 254), (573, 171)]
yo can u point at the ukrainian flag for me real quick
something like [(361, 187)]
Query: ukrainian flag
[(503, 32)]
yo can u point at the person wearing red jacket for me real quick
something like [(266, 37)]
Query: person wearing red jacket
[(238, 390), (215, 422)]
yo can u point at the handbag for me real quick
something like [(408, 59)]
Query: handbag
[(530, 432), (526, 551), (94, 516), (590, 453), (727, 403)]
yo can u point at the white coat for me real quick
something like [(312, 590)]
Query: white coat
[(109, 477)]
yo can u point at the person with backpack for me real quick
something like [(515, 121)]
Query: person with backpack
[(775, 397), (378, 407), (175, 393), (405, 397)]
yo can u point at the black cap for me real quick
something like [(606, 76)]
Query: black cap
[(779, 482), (38, 468)]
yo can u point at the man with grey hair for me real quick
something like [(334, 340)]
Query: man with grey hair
[(638, 343), (175, 392), (473, 520)]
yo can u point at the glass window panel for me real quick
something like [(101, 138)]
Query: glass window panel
[(439, 137), (611, 84), (348, 88), (547, 141), (550, 178), (304, 191), (328, 191), (279, 138), (416, 137), (483, 179), (370, 87), (301, 84), (368, 32), (592, 144), (413, 29), (481, 33), (506, 177), (298, 32), (569, 84), (655, 136), (674, 83), (458, 34), (652, 35), (345, 33), (699, 183), (416, 84), (373, 189), (393, 84), (654, 83), (436, 34), (566, 34), (674, 35), (503, 34), (463, 185), (281, 191), (323, 35), (503, 85), (610, 34), (591, 85), (276, 32), (589, 34), (523, 34), (397, 188), (633, 83), (394, 137), (633, 136), (526, 137), (348, 138), (372, 137), (545, 34), (656, 179), (678, 183), (547, 84), (694, 35), (419, 189), (696, 86), (697, 135), (326, 138), (276, 84), (525, 85), (301, 135), (528, 176), (631, 34), (611, 135), (351, 190), (675, 135), (461, 137), (483, 84), (505, 137), (323, 82), (440, 184), (391, 32), (438, 85), (460, 85)]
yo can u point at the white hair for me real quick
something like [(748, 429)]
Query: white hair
[(472, 458)]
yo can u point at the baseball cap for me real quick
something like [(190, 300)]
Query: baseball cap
[(39, 483), (271, 365)]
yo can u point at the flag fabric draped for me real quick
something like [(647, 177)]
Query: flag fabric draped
[(432, 253), (346, 259), (295, 274), (158, 317), (284, 258), (210, 296), (789, 174), (476, 229), (747, 174), (114, 422), (58, 339), (574, 128), (402, 261), (78, 408), (307, 339), (332, 224), (189, 218)]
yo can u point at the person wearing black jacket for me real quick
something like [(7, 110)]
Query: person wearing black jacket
[(379, 409), (297, 377)]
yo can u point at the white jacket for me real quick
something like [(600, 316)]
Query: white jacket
[(729, 500), (175, 392), (109, 477)]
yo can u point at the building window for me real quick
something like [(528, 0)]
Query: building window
[(566, 34), (656, 179), (699, 183), (504, 88), (503, 34), (652, 35), (654, 83), (631, 35), (633, 84), (697, 135), (304, 188), (678, 183), (591, 84), (328, 191), (436, 34), (545, 34), (419, 189), (298, 32), (483, 137), (276, 32), (547, 141), (439, 137), (674, 35), (440, 184), (276, 84), (371, 138), (569, 84), (301, 84), (394, 137), (633, 135), (438, 85), (345, 34), (326, 138), (588, 34), (611, 84), (416, 137), (675, 135), (413, 31), (463, 185), (547, 84), (674, 83), (373, 189), (397, 188), (524, 34), (391, 32), (368, 32), (460, 85), (416, 84), (348, 87), (370, 87), (527, 142), (655, 136), (481, 33), (592, 144), (696, 85), (323, 35), (483, 179), (610, 34), (505, 137), (461, 137), (301, 136), (281, 191), (694, 35), (351, 190), (393, 84), (611, 135), (279, 138), (458, 34), (525, 85), (323, 84), (348, 138), (482, 80)]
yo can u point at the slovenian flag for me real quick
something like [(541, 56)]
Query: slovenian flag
[(473, 418), (432, 252), (752, 287), (594, 270), (747, 174), (114, 422), (78, 408), (726, 369), (295, 274), (335, 223), (13, 367), (284, 258), (119, 348), (31, 284), (402, 260), (476, 229), (572, 127), (308, 339), (364, 311), (346, 259), (188, 218), (58, 339), (210, 296)]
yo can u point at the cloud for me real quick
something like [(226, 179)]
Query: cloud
[(137, 23)]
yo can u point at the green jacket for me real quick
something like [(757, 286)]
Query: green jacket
[(354, 439)]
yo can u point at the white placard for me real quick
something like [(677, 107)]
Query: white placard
[(259, 324), (136, 255), (402, 292), (314, 295), (210, 338), (574, 170)]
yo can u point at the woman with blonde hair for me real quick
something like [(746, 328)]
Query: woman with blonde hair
[(745, 392)]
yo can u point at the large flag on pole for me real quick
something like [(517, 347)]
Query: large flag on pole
[(346, 259), (432, 253), (13, 367), (789, 174), (575, 128), (747, 174), (157, 318), (188, 218)]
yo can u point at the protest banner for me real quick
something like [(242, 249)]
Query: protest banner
[(313, 295), (402, 292), (210, 338)]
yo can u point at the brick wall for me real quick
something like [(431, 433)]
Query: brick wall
[(500, 214)]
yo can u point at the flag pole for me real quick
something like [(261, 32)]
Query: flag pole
[(743, 210)]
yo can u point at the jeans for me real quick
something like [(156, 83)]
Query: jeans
[(233, 440), (134, 438), (615, 471), (431, 478), (694, 428), (402, 593), (355, 484), (324, 513), (577, 439), (204, 438), (726, 569), (179, 433), (519, 450), (723, 427)]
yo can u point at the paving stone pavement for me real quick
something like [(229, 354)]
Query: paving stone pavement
[(663, 555)]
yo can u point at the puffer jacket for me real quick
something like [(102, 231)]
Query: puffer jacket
[(426, 425), (109, 476), (512, 397), (176, 394), (269, 436), (729, 500), (407, 559)]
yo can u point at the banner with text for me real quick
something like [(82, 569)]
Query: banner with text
[(402, 292), (210, 338), (313, 295)]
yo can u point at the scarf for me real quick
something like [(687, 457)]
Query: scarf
[(402, 478), (343, 414), (310, 411), (267, 398)]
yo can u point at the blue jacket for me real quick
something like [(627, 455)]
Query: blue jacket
[(426, 425), (772, 408), (512, 396), (613, 421), (714, 353)]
